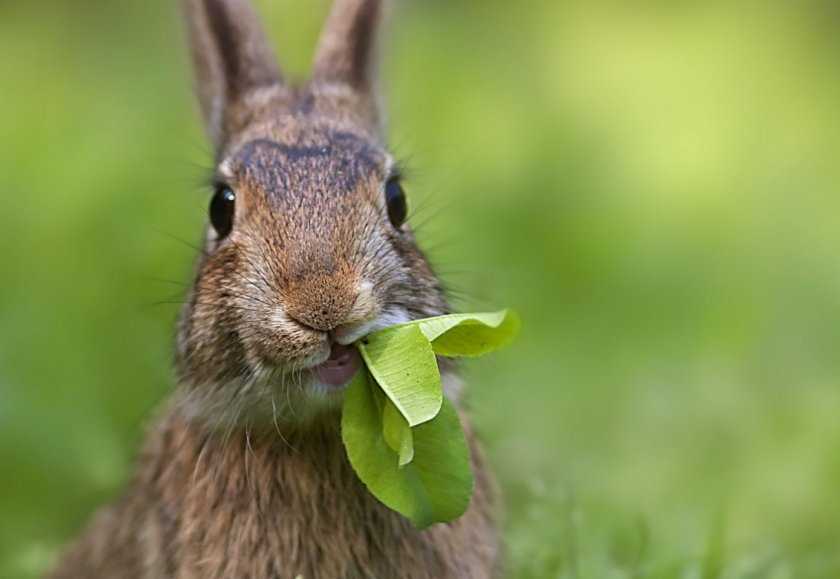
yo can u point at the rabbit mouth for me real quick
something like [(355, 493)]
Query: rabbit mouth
[(339, 368), (332, 371)]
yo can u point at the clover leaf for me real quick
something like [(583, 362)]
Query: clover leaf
[(435, 486), (403, 363), (402, 435)]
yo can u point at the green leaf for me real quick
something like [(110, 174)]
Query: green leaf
[(469, 335), (397, 433), (402, 436), (403, 363), (436, 486)]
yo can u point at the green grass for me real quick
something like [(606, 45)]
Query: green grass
[(653, 186)]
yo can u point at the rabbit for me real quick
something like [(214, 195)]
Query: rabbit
[(243, 474)]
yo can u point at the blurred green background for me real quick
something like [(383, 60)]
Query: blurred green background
[(652, 184)]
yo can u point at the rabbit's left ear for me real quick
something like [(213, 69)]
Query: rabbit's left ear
[(346, 54), (232, 58)]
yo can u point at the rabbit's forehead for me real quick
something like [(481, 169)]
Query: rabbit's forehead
[(328, 163)]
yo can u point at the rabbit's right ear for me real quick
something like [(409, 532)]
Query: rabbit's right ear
[(232, 58)]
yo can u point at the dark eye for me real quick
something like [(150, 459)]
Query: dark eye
[(222, 209), (395, 200)]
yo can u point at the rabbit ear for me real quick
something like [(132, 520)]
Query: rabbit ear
[(232, 59), (345, 53)]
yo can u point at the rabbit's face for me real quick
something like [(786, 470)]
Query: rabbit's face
[(307, 251)]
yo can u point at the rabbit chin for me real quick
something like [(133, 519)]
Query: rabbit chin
[(271, 398), (276, 400)]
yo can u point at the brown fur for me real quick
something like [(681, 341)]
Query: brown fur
[(245, 475), (206, 507)]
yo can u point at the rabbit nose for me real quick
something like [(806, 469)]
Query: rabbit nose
[(321, 302)]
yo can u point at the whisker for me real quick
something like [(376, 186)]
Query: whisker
[(167, 281), (182, 241), (276, 424), (197, 466)]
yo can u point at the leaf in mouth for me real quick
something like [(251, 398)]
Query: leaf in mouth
[(403, 436)]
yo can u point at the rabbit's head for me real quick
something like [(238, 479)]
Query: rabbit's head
[(307, 248)]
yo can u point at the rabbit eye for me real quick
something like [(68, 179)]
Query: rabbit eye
[(221, 210), (395, 200)]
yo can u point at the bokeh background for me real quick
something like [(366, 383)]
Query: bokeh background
[(654, 185)]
